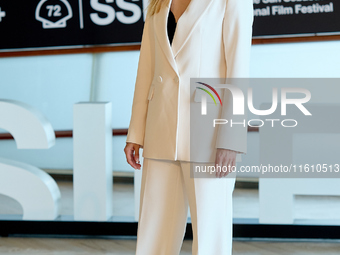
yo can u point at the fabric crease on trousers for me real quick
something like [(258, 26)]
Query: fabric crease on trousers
[(167, 192)]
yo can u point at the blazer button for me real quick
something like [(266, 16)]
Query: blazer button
[(176, 79), (160, 79)]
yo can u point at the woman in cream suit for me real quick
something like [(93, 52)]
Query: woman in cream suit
[(212, 39)]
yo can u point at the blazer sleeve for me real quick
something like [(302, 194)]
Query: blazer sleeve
[(237, 36), (144, 78)]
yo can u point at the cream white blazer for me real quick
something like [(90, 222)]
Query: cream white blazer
[(212, 40)]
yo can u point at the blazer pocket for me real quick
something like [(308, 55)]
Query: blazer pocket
[(151, 91), (199, 93)]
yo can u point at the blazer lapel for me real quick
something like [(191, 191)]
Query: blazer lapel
[(160, 26), (184, 28), (187, 23)]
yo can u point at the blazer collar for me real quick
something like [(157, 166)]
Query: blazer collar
[(184, 28)]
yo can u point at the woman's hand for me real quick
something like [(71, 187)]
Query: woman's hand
[(132, 154), (227, 158)]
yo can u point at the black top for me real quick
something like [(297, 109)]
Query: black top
[(171, 26)]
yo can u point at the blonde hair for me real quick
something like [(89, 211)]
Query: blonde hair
[(154, 6)]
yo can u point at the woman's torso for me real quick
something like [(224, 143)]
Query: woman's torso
[(203, 42)]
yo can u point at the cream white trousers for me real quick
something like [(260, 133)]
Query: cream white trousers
[(166, 192)]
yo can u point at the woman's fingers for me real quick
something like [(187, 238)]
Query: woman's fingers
[(136, 157), (225, 166), (129, 156), (226, 161), (230, 165), (132, 155), (218, 162)]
